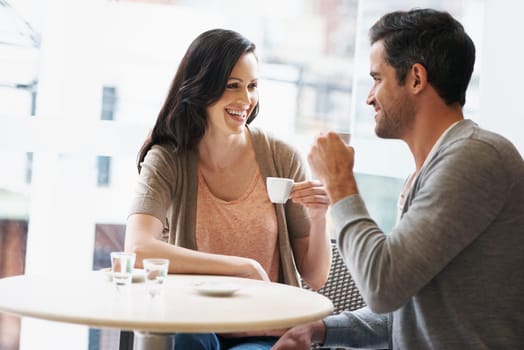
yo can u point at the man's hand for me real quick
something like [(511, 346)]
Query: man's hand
[(332, 161), (300, 337)]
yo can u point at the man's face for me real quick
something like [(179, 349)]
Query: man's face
[(394, 108)]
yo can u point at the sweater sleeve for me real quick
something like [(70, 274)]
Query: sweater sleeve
[(291, 165), (359, 329), (155, 185), (455, 198)]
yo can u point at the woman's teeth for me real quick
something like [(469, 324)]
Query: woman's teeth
[(235, 113)]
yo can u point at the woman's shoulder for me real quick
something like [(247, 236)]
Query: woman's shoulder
[(168, 155), (161, 151), (163, 148)]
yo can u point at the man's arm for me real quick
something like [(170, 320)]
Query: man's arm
[(359, 329), (455, 198)]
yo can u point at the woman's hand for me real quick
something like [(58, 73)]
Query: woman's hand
[(312, 195), (250, 268)]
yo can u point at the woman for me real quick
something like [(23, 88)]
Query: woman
[(201, 200)]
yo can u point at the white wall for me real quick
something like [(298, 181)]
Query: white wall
[(502, 75)]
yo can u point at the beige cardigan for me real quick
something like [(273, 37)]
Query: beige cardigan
[(167, 189)]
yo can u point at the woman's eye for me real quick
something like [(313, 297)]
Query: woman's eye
[(253, 85), (232, 85)]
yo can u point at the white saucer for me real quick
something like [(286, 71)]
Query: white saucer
[(216, 289), (138, 274)]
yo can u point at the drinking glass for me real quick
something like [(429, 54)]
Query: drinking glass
[(345, 136), (155, 271), (122, 264)]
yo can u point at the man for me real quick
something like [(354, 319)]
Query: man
[(451, 273)]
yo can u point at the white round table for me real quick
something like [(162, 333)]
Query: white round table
[(89, 298)]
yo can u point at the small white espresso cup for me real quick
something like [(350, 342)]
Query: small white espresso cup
[(278, 189)]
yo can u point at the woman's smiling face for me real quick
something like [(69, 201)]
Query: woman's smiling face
[(229, 114)]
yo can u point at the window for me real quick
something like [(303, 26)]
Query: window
[(109, 102), (103, 164), (71, 124)]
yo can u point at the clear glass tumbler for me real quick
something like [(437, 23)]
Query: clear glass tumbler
[(155, 271), (122, 264)]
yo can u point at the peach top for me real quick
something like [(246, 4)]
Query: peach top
[(245, 227)]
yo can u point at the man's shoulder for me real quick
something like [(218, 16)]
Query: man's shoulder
[(468, 132), (470, 149)]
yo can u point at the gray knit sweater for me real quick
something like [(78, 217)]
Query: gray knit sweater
[(451, 273)]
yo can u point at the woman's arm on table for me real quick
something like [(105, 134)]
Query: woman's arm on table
[(142, 237)]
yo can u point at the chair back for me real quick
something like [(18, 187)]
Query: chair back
[(340, 287)]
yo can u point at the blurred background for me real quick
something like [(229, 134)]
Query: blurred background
[(82, 81)]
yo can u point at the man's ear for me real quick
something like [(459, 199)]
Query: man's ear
[(418, 77)]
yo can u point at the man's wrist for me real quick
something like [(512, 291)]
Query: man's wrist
[(318, 332), (336, 190)]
